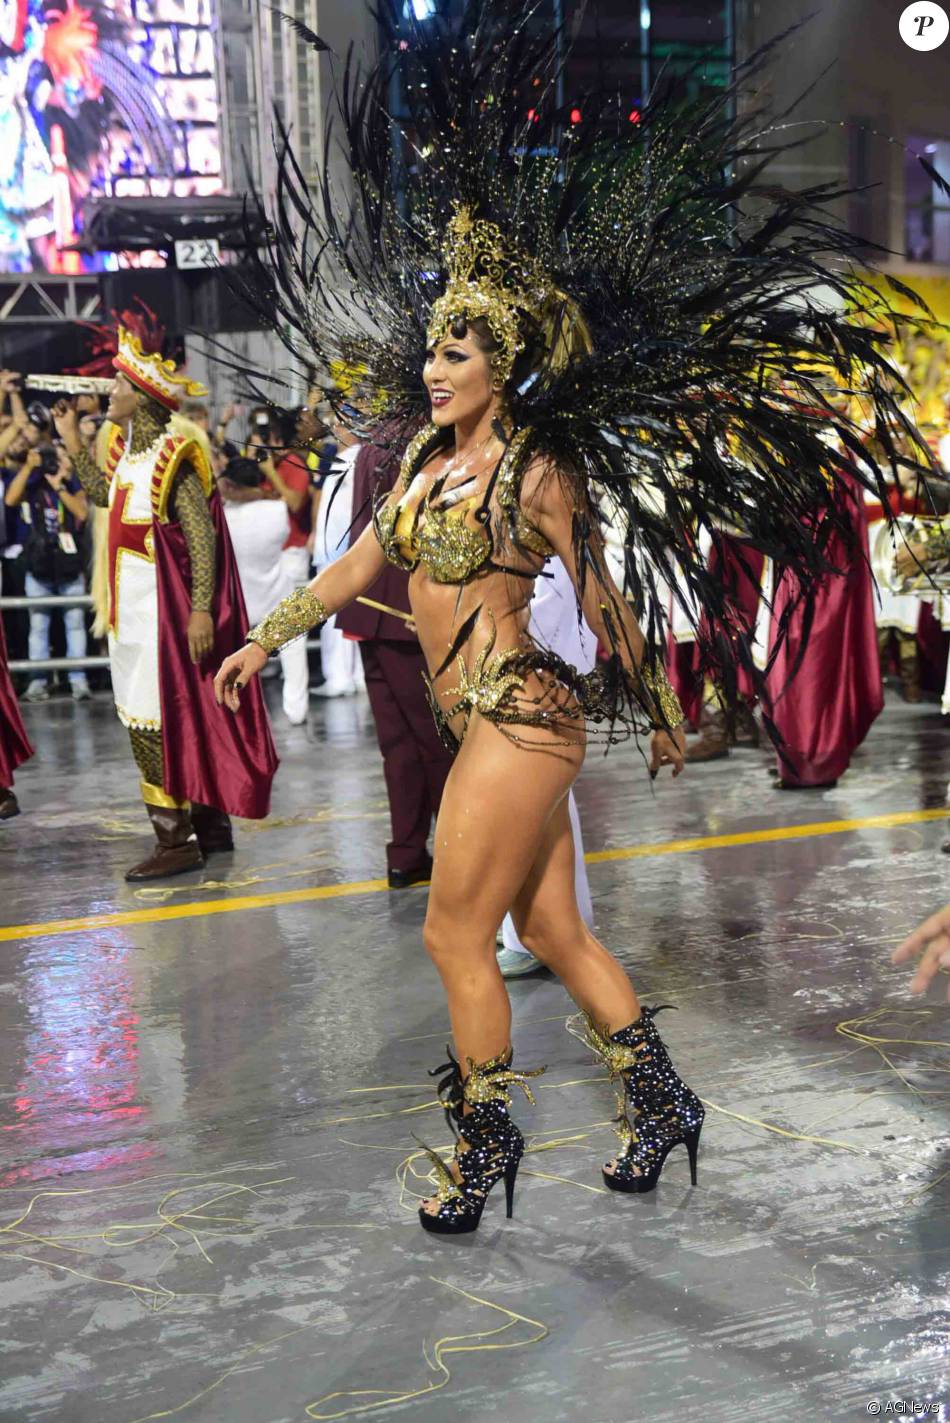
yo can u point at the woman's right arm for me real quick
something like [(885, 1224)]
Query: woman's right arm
[(332, 589)]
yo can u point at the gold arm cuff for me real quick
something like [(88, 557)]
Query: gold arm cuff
[(652, 689), (296, 615), (154, 795)]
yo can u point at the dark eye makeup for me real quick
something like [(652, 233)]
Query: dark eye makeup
[(454, 355)]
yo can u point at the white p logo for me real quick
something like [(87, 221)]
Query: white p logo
[(924, 25)]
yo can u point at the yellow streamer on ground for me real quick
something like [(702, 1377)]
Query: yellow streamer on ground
[(448, 1344), (782, 1131)]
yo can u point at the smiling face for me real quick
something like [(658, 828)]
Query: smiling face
[(458, 376)]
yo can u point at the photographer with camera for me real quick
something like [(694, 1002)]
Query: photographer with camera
[(53, 509)]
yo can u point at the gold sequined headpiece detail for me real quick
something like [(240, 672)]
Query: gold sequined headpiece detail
[(487, 280)]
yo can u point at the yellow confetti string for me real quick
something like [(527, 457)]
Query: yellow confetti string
[(929, 1186), (191, 1221), (782, 1131), (318, 817), (264, 875), (565, 1181), (850, 1028), (216, 1383), (448, 1344)]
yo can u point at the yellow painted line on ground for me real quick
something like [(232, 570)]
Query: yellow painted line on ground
[(199, 909), (764, 837)]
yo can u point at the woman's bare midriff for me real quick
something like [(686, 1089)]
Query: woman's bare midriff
[(502, 601)]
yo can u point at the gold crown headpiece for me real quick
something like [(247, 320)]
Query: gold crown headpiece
[(150, 373), (486, 280)]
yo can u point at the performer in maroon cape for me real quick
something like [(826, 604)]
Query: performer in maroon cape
[(15, 747), (824, 710), (175, 606), (415, 762)]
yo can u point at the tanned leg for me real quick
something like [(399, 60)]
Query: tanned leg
[(497, 802), (549, 923), (495, 808)]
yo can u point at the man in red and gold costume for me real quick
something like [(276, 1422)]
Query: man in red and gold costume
[(175, 607)]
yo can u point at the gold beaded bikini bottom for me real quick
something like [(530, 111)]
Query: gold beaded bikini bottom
[(495, 688)]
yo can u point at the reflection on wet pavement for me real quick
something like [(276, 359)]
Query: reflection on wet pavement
[(207, 1160)]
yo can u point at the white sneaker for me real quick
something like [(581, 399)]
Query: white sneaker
[(334, 689), (514, 964), (36, 692), (81, 692)]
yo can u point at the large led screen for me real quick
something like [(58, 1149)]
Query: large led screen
[(109, 97)]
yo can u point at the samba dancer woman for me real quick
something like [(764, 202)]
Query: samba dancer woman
[(604, 310), (501, 683)]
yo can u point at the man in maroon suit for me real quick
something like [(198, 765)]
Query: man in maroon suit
[(415, 763)]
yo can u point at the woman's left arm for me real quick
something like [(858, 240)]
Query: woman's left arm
[(546, 502)]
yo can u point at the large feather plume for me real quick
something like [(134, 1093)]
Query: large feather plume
[(739, 358)]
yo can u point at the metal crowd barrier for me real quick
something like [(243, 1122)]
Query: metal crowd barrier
[(53, 664), (65, 664)]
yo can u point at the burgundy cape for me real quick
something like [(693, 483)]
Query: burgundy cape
[(826, 710), (14, 746), (211, 756), (740, 570)]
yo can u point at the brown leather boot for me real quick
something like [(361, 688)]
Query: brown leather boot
[(9, 805), (910, 676), (177, 851), (712, 744), (884, 650), (212, 827)]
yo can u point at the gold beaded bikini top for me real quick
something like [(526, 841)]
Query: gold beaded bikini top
[(439, 537)]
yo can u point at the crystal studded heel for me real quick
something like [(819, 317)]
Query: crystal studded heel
[(476, 1108), (665, 1112)]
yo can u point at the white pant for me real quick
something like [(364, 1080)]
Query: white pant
[(295, 566), (340, 658)]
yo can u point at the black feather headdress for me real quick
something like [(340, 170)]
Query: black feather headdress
[(734, 370)]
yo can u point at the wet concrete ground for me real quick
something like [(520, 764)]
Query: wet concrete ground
[(206, 1119)]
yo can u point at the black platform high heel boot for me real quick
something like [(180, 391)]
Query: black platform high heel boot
[(493, 1144), (665, 1112)]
